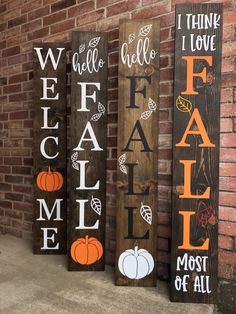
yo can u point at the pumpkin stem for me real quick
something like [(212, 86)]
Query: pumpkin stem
[(86, 239), (49, 170), (136, 251)]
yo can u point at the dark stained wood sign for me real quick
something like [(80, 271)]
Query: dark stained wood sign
[(196, 153), (86, 230), (137, 153), (49, 148)]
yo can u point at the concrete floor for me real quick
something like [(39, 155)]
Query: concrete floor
[(41, 284)]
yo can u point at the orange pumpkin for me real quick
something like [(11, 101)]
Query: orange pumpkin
[(49, 181), (86, 251)]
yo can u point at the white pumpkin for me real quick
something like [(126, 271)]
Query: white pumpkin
[(136, 264)]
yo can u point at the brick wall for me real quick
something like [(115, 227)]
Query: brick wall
[(26, 21)]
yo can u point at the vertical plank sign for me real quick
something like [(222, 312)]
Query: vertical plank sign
[(137, 152), (49, 148), (86, 231), (196, 152)]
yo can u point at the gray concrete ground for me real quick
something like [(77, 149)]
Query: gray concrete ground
[(41, 284)]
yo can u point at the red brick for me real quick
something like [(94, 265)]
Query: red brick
[(227, 228), (228, 140), (226, 125), (162, 244), (3, 8), (122, 7), (227, 64), (105, 3), (38, 33), (226, 95), (163, 257), (228, 184), (21, 170), (23, 206), (31, 26), (3, 44), (227, 257), (9, 89), (38, 13), (228, 79), (163, 218), (227, 199), (227, 169), (167, 47), (229, 49), (13, 214), (164, 231), (11, 51), (17, 59), (22, 189), (13, 161), (17, 21), (5, 204), (229, 17), (152, 11), (81, 9), (90, 17), (3, 26), (227, 213), (228, 110), (32, 5), (19, 115), (227, 271), (3, 116), (13, 125), (5, 187), (54, 18), (18, 97), (18, 78), (13, 197), (227, 154), (60, 5), (60, 27), (228, 32)]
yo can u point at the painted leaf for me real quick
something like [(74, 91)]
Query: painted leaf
[(101, 108), (131, 38), (123, 169), (75, 165), (145, 30), (146, 213), (122, 159), (96, 117), (96, 205), (146, 114), (81, 48), (183, 104), (74, 156), (152, 104), (94, 42)]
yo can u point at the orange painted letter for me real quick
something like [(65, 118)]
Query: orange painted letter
[(190, 74), (186, 234), (200, 131), (187, 181)]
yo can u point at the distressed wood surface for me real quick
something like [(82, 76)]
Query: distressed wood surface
[(145, 170), (56, 113), (82, 42), (205, 172)]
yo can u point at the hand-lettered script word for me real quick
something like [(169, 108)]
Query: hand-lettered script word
[(143, 54)]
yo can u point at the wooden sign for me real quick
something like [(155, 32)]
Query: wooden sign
[(87, 191), (196, 152), (49, 148), (137, 153)]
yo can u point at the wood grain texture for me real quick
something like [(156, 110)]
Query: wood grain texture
[(96, 168), (145, 172), (56, 113), (205, 172)]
